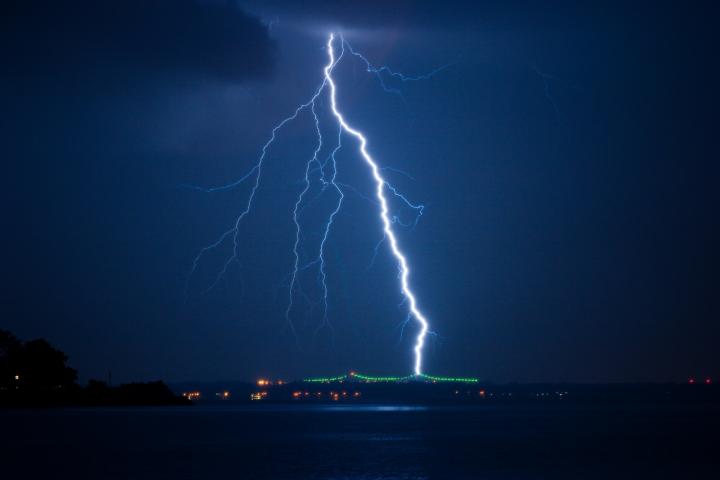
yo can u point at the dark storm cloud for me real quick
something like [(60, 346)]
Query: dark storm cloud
[(374, 13), (121, 38), (408, 14)]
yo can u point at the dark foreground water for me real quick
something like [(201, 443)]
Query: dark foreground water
[(363, 442)]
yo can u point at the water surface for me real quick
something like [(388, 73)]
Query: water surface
[(363, 442)]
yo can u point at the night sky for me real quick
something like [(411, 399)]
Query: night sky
[(567, 159)]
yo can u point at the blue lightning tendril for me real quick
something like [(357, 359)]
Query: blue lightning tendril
[(379, 71)]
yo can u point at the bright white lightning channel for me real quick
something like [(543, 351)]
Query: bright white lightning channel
[(387, 225), (329, 180)]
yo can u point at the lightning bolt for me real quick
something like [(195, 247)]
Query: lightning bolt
[(381, 184), (327, 171), (298, 202), (379, 71), (256, 170), (331, 219)]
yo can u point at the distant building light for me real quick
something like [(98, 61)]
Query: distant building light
[(17, 377), (708, 381), (258, 395), (691, 381)]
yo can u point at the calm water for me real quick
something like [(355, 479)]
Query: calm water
[(367, 442)]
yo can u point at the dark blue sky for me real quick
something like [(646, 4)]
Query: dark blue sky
[(567, 159)]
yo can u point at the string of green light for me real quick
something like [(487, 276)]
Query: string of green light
[(368, 378), (450, 379), (325, 379), (391, 379)]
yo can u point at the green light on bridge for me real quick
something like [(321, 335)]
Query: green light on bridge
[(339, 378), (391, 379), (433, 378)]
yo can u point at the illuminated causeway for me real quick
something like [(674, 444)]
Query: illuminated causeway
[(357, 377)]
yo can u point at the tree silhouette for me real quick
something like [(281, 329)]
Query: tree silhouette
[(34, 373), (42, 367), (33, 366), (9, 345)]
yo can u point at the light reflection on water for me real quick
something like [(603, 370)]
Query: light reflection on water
[(371, 408), (290, 408), (382, 477), (361, 442)]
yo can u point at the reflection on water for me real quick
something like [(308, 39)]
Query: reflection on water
[(360, 442), (371, 408)]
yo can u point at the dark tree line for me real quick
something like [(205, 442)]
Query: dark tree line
[(33, 366), (34, 373)]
